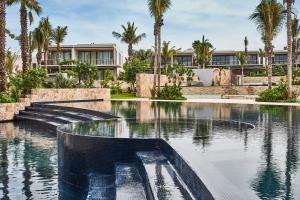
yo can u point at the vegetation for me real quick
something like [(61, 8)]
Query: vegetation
[(85, 73), (242, 58), (168, 53), (124, 96), (46, 29), (157, 9), (2, 46), (129, 36), (289, 46), (277, 94), (27, 7), (203, 52), (10, 61), (145, 56), (269, 16), (58, 36), (131, 69), (4, 98), (295, 39), (278, 70)]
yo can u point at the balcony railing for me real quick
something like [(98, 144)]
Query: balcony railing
[(93, 62)]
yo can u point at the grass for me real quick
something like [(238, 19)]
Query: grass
[(124, 96)]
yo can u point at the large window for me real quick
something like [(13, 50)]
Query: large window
[(96, 57), (252, 59), (64, 55), (280, 59), (184, 60), (224, 60)]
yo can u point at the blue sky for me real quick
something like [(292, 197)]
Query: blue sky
[(224, 22)]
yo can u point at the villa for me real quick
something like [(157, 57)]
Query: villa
[(227, 58), (104, 56)]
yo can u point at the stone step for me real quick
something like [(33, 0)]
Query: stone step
[(101, 187), (48, 117), (35, 121), (69, 114), (164, 181), (129, 183)]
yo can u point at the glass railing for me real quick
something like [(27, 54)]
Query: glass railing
[(93, 62)]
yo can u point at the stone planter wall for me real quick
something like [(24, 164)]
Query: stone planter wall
[(249, 80), (145, 82), (8, 111)]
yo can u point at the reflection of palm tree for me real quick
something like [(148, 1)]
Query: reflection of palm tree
[(4, 169), (291, 154), (203, 131), (268, 182), (27, 172)]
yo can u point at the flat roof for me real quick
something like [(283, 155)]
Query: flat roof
[(91, 45)]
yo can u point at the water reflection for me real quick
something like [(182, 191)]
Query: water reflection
[(28, 164)]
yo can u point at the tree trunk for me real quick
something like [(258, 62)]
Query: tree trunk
[(270, 64), (159, 54), (289, 45), (155, 58), (58, 57), (172, 61), (242, 78), (24, 36), (130, 51), (46, 58), (39, 57), (2, 46)]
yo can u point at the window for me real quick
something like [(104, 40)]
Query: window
[(225, 60), (184, 60), (252, 59), (280, 59)]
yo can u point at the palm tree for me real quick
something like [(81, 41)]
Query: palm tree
[(203, 50), (46, 30), (31, 48), (157, 10), (246, 44), (2, 45), (26, 12), (262, 55), (144, 55), (129, 36), (168, 53), (295, 37), (10, 61), (38, 43), (58, 36), (289, 46), (269, 16), (242, 58)]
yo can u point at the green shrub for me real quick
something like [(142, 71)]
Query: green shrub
[(171, 93), (4, 98), (277, 94), (116, 88), (62, 82)]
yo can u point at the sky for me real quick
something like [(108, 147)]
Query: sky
[(224, 22)]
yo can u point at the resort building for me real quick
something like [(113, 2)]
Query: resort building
[(104, 56), (229, 59)]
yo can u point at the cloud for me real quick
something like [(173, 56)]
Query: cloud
[(224, 22)]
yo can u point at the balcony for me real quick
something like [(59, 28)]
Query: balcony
[(93, 62)]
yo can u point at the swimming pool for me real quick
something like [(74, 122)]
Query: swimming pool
[(259, 161)]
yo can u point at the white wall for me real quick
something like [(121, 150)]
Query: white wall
[(206, 76)]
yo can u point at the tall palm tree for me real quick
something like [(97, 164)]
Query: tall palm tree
[(58, 36), (203, 50), (269, 16), (27, 7), (38, 43), (168, 53), (157, 10), (129, 36), (31, 48), (262, 55), (46, 29), (2, 45), (289, 46), (246, 44), (295, 37), (242, 58)]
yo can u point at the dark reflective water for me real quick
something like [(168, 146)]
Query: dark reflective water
[(260, 162)]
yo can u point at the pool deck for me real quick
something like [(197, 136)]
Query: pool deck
[(217, 101)]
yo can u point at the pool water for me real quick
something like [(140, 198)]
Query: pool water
[(255, 149)]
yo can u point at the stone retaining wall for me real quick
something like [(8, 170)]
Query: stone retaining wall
[(144, 84), (248, 80), (235, 90), (9, 110)]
